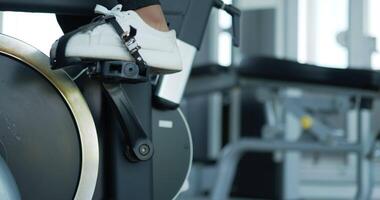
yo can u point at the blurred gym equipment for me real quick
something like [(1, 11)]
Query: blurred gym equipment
[(290, 123)]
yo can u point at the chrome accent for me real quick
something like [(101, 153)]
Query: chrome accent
[(74, 100)]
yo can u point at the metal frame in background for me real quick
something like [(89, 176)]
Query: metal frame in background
[(359, 45), (286, 46), (232, 153)]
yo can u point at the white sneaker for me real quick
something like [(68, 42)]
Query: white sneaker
[(158, 49)]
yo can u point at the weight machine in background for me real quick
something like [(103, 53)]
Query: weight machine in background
[(274, 33)]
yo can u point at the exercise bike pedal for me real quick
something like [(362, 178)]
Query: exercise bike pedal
[(116, 71)]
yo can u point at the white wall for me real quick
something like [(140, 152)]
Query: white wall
[(37, 29)]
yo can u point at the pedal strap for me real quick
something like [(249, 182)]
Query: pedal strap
[(129, 41)]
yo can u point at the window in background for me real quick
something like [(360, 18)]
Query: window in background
[(37, 29), (319, 23), (374, 29)]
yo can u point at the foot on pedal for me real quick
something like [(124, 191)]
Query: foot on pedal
[(101, 40)]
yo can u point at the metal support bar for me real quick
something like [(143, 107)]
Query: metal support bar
[(360, 46), (286, 28), (291, 160), (273, 126), (365, 165), (232, 153), (235, 115), (215, 109), (321, 131), (1, 22), (270, 114)]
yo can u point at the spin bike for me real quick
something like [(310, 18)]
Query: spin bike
[(114, 134)]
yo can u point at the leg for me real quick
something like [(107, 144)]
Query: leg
[(154, 16), (149, 10)]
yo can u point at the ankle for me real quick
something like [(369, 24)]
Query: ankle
[(153, 16)]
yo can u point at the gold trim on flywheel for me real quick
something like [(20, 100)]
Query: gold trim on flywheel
[(75, 101)]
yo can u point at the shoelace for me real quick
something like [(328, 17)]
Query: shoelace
[(115, 11)]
